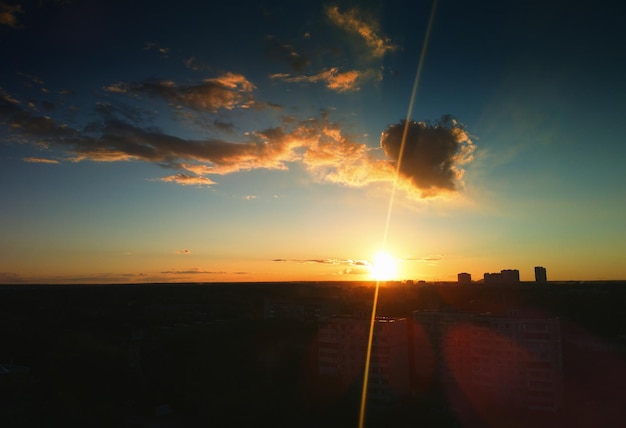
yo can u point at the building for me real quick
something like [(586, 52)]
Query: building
[(540, 275), (464, 278), (343, 348), (489, 360), (506, 276)]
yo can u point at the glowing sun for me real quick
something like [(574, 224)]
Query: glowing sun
[(384, 267)]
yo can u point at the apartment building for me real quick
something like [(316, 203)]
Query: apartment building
[(343, 348), (493, 359)]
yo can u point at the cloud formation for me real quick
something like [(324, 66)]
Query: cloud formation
[(187, 180), (432, 160), (228, 91), (185, 252), (353, 23), (334, 79), (432, 153), (326, 261), (277, 50), (40, 160), (8, 14)]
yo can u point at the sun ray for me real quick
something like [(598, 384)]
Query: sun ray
[(390, 206)]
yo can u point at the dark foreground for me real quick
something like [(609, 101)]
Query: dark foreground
[(230, 355)]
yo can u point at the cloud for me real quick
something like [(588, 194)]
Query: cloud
[(326, 261), (8, 14), (155, 47), (187, 180), (335, 80), (432, 153), (432, 162), (10, 278), (368, 30), (275, 49), (228, 91), (185, 252), (40, 160), (194, 271)]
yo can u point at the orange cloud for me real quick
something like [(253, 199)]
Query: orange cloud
[(431, 163), (228, 91), (8, 14), (40, 160), (188, 180), (335, 80), (352, 22)]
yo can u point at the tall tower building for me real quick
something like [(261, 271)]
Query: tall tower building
[(540, 275)]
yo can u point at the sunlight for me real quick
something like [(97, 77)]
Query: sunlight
[(384, 267)]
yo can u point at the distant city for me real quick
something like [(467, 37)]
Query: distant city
[(505, 276)]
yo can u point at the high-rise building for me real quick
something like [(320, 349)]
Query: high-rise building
[(492, 360), (343, 348), (464, 278), (506, 276), (540, 275)]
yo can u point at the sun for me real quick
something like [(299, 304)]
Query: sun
[(384, 267)]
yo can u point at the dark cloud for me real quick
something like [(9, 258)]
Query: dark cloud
[(432, 153), (120, 111), (279, 51), (8, 14), (227, 92), (432, 160)]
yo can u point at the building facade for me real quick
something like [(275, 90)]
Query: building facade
[(490, 360), (342, 348), (464, 278)]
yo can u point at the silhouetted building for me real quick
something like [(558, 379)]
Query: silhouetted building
[(464, 278), (489, 360), (506, 276), (342, 352), (540, 275)]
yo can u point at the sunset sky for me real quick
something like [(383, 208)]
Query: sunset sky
[(258, 141)]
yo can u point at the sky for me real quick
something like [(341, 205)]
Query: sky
[(292, 141)]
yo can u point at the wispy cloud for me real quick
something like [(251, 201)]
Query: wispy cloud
[(185, 252), (228, 91), (277, 50), (333, 78), (367, 30), (40, 160), (150, 46), (194, 271), (8, 14), (187, 180), (326, 261)]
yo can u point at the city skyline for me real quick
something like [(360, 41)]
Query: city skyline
[(259, 141)]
